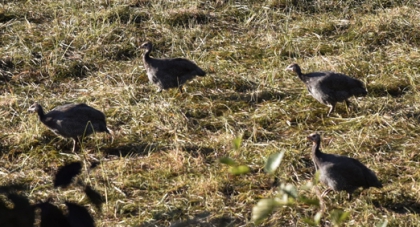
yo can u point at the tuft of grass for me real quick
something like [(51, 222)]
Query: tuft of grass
[(162, 168)]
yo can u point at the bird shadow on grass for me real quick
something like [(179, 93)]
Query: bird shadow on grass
[(255, 97), (401, 205), (16, 210), (395, 91), (204, 219), (414, 115), (196, 151), (132, 149)]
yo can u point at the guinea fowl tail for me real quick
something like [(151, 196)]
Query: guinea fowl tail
[(358, 88), (359, 91), (200, 72), (372, 180), (377, 184)]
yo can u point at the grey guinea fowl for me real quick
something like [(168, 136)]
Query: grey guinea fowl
[(72, 120), (341, 173), (330, 87), (171, 72)]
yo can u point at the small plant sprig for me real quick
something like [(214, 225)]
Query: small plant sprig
[(288, 194), (234, 167)]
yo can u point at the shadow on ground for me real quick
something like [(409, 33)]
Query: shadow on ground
[(395, 91), (200, 220), (16, 210), (132, 149), (401, 205), (253, 97), (197, 151)]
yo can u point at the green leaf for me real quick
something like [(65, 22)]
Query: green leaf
[(290, 190), (228, 161), (318, 217), (261, 211), (310, 222), (382, 224), (309, 201), (237, 143), (338, 216), (239, 170), (273, 162)]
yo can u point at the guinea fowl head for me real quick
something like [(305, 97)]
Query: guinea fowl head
[(147, 46), (294, 67), (34, 107), (315, 138)]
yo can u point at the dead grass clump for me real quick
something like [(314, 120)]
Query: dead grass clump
[(6, 69), (140, 3), (126, 15), (5, 17), (187, 17), (30, 76), (336, 7), (120, 52), (394, 90), (74, 69)]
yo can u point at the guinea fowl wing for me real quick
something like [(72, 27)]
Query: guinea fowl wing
[(72, 119), (340, 174), (371, 180), (341, 82), (178, 67), (67, 107), (84, 111)]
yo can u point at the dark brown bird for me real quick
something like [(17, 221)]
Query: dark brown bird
[(330, 87), (72, 121), (341, 173), (171, 72)]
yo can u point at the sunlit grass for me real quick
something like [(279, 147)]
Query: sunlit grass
[(163, 165)]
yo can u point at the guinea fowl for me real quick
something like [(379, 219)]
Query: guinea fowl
[(341, 173), (72, 120), (330, 87), (171, 72)]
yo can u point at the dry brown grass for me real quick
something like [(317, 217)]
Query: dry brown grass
[(163, 168)]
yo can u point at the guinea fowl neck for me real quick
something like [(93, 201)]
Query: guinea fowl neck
[(147, 54), (315, 149), (300, 74), (41, 113)]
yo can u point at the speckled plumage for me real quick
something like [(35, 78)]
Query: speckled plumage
[(171, 72), (330, 87), (341, 173), (72, 120)]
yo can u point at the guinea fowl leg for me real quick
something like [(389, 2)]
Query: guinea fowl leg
[(348, 104), (326, 192), (332, 107), (74, 145), (111, 134)]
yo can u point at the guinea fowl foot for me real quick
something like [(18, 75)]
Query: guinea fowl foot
[(111, 134), (326, 192), (348, 105), (75, 146), (180, 89), (332, 107)]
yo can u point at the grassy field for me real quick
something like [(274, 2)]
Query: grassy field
[(163, 168)]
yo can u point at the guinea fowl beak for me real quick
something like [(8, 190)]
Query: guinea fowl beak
[(288, 68)]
